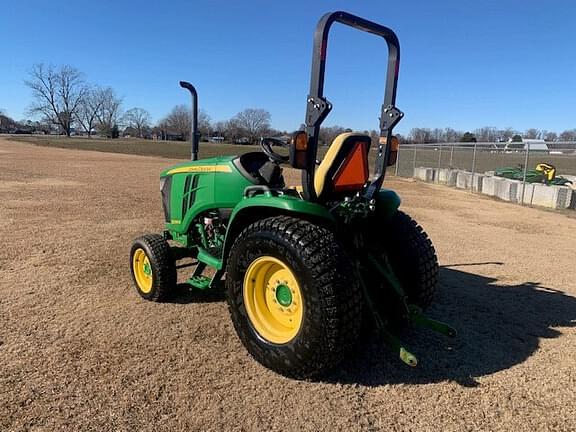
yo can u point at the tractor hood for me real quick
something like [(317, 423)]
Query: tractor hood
[(215, 164)]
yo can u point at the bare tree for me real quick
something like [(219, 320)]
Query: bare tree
[(420, 135), (253, 122), (232, 130), (568, 135), (138, 119), (550, 136), (220, 127), (6, 122), (531, 133), (204, 123), (162, 129), (178, 121), (88, 109), (108, 112), (327, 134), (57, 93), (507, 134), (452, 135), (486, 134)]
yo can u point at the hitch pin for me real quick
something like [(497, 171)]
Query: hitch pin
[(394, 343)]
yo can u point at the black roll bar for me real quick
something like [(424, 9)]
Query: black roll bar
[(194, 134), (318, 107)]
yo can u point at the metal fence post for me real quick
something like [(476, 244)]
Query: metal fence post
[(439, 162), (451, 155), (524, 174), (414, 160), (473, 168), (397, 161)]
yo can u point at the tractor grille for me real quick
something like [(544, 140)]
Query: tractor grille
[(190, 186), (165, 191)]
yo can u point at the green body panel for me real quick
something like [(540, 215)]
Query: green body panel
[(216, 183), (387, 202), (218, 160), (208, 259), (284, 203), (260, 206), (223, 187)]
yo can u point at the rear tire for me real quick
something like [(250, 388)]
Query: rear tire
[(152, 267), (412, 257), (309, 260)]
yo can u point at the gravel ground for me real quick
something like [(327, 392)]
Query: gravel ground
[(79, 350)]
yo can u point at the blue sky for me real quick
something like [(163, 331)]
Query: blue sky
[(465, 64)]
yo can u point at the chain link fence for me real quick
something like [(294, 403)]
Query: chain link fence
[(482, 157)]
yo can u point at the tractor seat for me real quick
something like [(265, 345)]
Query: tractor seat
[(257, 168), (344, 168)]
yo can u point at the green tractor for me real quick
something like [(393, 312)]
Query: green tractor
[(305, 267)]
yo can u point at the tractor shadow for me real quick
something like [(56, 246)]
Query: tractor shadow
[(498, 326), (185, 294)]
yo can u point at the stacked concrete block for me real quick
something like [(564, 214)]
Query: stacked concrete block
[(416, 173), (507, 190), (463, 180), (477, 181), (528, 193), (555, 197), (452, 178), (444, 176), (490, 185), (424, 174), (499, 187)]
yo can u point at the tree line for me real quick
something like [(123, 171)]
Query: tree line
[(484, 134), (64, 100)]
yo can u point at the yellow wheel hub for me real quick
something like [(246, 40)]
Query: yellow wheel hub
[(273, 299), (142, 271)]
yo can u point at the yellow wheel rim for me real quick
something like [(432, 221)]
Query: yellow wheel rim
[(142, 271), (273, 300)]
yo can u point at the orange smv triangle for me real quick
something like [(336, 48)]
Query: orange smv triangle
[(353, 173)]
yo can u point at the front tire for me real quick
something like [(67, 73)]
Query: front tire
[(153, 268), (292, 296)]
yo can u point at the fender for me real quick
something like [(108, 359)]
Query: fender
[(251, 209), (387, 203)]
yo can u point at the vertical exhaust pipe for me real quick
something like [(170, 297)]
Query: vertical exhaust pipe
[(194, 133)]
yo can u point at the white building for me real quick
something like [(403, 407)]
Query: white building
[(535, 145)]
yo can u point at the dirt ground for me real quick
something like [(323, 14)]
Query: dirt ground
[(79, 350)]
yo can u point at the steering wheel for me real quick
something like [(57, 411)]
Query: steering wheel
[(266, 146)]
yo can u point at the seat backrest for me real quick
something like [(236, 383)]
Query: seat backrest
[(344, 169)]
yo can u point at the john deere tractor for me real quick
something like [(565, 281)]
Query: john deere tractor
[(306, 267)]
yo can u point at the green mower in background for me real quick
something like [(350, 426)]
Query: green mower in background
[(543, 173), (303, 266)]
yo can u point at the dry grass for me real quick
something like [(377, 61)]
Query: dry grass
[(79, 350), (169, 149), (459, 158)]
